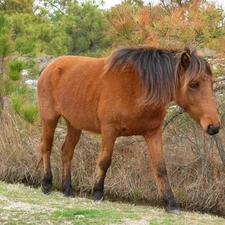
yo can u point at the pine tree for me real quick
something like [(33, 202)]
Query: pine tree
[(13, 50)]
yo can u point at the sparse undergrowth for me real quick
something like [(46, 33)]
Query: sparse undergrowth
[(195, 169), (25, 205)]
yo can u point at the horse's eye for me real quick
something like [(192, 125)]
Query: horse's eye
[(193, 85)]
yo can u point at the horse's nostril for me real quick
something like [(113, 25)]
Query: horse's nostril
[(212, 130)]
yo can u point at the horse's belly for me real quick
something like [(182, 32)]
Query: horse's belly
[(81, 118)]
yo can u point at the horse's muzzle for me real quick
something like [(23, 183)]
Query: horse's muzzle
[(211, 130)]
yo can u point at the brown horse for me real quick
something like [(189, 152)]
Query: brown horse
[(124, 94)]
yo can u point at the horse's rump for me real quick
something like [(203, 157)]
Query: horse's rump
[(70, 87)]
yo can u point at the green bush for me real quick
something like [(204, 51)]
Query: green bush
[(16, 101), (14, 75), (15, 68), (29, 112)]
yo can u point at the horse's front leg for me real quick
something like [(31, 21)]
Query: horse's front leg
[(109, 136), (154, 142)]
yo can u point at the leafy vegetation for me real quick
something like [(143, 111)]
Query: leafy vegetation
[(83, 28), (168, 24)]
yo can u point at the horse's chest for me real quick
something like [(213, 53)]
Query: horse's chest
[(138, 124)]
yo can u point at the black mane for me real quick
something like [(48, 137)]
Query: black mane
[(158, 69)]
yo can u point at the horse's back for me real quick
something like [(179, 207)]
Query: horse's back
[(69, 86)]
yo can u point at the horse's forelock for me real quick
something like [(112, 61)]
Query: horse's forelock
[(198, 67)]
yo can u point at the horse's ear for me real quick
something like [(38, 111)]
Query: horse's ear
[(185, 60)]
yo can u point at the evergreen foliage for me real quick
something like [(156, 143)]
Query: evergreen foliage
[(15, 68), (168, 24), (14, 49)]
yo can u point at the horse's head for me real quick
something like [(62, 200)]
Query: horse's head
[(195, 92)]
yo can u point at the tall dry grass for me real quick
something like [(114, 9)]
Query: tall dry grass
[(18, 148), (196, 171)]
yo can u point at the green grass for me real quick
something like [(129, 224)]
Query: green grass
[(25, 205), (90, 216)]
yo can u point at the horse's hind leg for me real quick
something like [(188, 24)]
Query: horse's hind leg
[(48, 129), (72, 138)]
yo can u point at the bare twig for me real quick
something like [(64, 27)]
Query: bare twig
[(166, 122), (220, 147), (216, 137)]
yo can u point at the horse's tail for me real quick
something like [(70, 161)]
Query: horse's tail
[(35, 172), (40, 72)]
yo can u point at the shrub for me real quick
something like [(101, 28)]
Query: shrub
[(16, 101), (29, 112)]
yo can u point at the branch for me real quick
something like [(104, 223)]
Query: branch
[(216, 137), (219, 145), (169, 120), (55, 6)]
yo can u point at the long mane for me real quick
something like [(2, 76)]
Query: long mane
[(158, 69)]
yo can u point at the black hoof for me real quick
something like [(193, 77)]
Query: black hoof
[(68, 192), (174, 211), (98, 196), (46, 189), (171, 206)]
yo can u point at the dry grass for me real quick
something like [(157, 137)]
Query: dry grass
[(18, 149), (24, 205), (196, 171)]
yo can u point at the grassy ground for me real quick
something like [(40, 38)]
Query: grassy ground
[(25, 205)]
